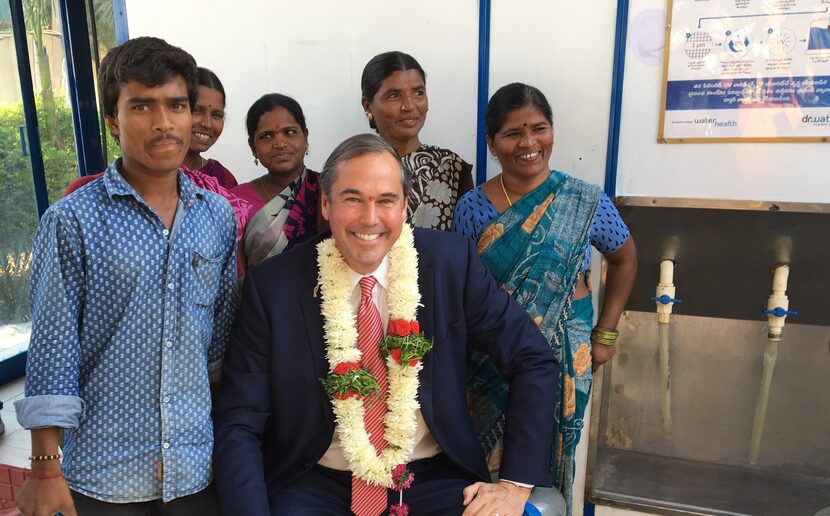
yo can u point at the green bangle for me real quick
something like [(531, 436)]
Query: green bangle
[(603, 336)]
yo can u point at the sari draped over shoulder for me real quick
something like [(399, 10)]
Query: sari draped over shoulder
[(535, 250), (241, 208), (285, 221)]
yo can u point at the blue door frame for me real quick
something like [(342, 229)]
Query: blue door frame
[(81, 88)]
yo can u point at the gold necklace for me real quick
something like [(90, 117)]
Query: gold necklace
[(264, 187), (504, 190)]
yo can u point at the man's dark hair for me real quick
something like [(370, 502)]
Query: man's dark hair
[(268, 102), (208, 79), (510, 98), (355, 147), (150, 61), (382, 66)]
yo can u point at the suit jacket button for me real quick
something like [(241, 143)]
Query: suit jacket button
[(307, 466)]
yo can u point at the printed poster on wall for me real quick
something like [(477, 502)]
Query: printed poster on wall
[(746, 70)]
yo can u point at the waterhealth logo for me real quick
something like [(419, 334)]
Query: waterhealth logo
[(715, 122)]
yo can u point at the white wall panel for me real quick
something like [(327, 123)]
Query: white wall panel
[(566, 50), (315, 51)]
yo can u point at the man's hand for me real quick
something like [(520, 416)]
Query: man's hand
[(502, 499), (45, 497), (600, 354)]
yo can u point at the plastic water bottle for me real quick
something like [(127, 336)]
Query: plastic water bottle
[(545, 501)]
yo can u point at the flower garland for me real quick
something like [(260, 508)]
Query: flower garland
[(348, 383)]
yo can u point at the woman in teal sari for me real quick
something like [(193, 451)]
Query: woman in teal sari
[(534, 228)]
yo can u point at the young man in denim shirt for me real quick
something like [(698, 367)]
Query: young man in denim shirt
[(133, 290)]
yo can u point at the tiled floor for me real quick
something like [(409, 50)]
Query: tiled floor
[(15, 449), (15, 445)]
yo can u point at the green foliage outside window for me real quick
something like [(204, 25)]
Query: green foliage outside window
[(18, 211)]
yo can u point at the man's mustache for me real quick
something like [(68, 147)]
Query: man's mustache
[(163, 137)]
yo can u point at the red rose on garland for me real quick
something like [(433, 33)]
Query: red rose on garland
[(345, 367), (401, 328), (396, 354)]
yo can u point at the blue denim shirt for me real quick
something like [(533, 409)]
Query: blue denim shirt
[(128, 320)]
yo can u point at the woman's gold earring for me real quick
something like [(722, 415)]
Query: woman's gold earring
[(369, 115)]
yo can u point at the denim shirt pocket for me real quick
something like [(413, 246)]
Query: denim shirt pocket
[(205, 276)]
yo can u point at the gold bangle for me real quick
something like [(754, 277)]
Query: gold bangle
[(609, 331), (603, 336), (55, 456), (611, 334)]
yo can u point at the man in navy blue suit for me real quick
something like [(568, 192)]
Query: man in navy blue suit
[(279, 449)]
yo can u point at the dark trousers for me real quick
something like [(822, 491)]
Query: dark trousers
[(437, 490), (202, 503)]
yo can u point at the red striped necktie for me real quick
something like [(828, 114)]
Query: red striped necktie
[(371, 500)]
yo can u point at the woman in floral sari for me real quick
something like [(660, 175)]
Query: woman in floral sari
[(394, 98), (534, 228), (286, 197)]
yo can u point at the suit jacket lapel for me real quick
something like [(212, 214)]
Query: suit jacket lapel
[(309, 299), (426, 319)]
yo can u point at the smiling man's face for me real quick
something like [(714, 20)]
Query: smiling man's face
[(366, 209)]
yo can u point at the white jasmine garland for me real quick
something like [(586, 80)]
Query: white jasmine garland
[(340, 335)]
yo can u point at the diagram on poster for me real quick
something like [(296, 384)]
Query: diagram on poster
[(746, 70)]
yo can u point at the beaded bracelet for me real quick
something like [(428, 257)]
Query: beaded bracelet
[(55, 456), (44, 477), (603, 336)]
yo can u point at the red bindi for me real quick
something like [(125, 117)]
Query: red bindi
[(371, 198), (277, 127)]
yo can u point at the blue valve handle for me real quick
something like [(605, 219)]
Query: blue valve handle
[(665, 299), (780, 312)]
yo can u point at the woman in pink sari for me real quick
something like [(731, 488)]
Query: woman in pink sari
[(286, 197)]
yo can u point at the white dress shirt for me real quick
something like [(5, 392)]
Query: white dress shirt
[(425, 445)]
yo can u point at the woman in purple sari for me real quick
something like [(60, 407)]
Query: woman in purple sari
[(286, 197)]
